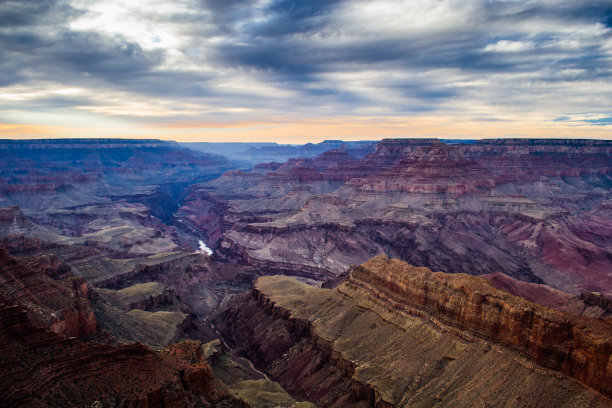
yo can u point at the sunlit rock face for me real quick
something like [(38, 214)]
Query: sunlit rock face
[(535, 210), (398, 335)]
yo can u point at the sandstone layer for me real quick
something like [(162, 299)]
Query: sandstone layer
[(396, 335)]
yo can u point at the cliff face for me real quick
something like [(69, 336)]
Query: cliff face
[(578, 347), (41, 368), (75, 290), (436, 168), (396, 335), (67, 173), (46, 329), (304, 364), (61, 306), (535, 210), (588, 304)]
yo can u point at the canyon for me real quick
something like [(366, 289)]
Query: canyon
[(535, 210), (181, 277), (397, 335)]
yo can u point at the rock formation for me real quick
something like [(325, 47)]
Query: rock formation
[(100, 249), (60, 306), (44, 369), (535, 210), (589, 304), (396, 335)]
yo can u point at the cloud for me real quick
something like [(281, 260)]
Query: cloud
[(509, 46), (588, 118), (28, 13), (40, 46), (207, 60)]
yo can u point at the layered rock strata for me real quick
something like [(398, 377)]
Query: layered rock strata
[(579, 347), (589, 304), (395, 335), (143, 296), (536, 210), (44, 369), (60, 306)]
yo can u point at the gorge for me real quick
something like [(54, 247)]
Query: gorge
[(405, 272)]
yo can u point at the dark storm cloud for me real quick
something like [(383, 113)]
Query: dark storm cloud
[(302, 57), (272, 43), (78, 58), (24, 13), (40, 46), (104, 57), (289, 17), (295, 54), (296, 41), (588, 11), (224, 6)]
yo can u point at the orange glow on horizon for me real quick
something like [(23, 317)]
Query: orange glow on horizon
[(318, 129), (8, 129)]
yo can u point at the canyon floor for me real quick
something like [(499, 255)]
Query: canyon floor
[(408, 273)]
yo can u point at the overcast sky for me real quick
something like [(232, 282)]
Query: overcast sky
[(298, 71)]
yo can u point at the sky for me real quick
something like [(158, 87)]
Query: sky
[(305, 71)]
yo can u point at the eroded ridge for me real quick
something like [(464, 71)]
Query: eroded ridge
[(579, 347), (395, 335)]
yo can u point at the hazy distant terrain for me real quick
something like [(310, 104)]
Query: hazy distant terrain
[(250, 154)]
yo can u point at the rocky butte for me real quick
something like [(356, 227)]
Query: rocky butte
[(44, 369)]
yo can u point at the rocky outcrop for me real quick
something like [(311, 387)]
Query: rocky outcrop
[(71, 307), (597, 300), (229, 251), (531, 159), (60, 306), (436, 168), (11, 216), (143, 296), (578, 347), (255, 153), (588, 304), (174, 291), (44, 369), (70, 172), (202, 214), (302, 362), (396, 335), (533, 292)]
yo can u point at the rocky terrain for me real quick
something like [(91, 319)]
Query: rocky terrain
[(536, 210), (41, 368), (91, 253), (397, 335), (590, 304), (105, 263)]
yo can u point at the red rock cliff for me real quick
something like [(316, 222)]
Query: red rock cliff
[(45, 369), (579, 347)]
